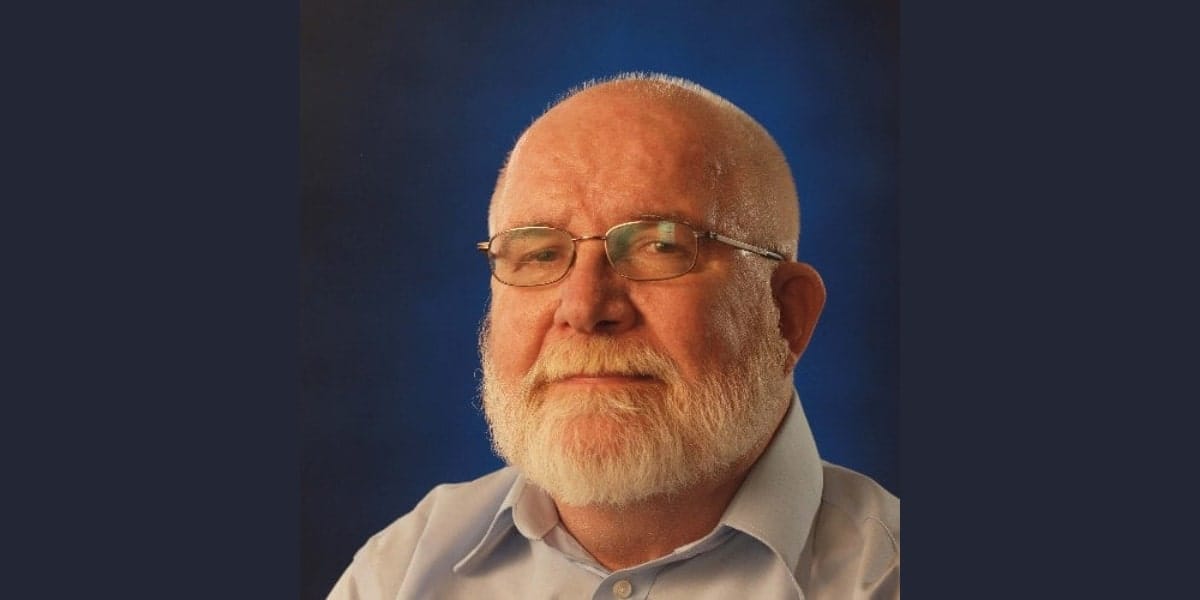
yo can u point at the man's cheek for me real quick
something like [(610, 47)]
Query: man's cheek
[(515, 348)]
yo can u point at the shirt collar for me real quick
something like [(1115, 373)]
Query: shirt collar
[(526, 508), (776, 503)]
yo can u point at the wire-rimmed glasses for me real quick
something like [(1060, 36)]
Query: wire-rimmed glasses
[(646, 250)]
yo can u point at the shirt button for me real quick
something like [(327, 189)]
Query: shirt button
[(622, 588)]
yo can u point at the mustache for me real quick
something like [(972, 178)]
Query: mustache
[(599, 356)]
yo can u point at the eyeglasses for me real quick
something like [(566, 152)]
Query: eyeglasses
[(638, 250)]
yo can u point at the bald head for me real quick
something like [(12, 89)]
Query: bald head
[(644, 129)]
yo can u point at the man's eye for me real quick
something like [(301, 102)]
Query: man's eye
[(543, 255), (660, 247)]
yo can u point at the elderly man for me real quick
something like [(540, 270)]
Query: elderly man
[(647, 312)]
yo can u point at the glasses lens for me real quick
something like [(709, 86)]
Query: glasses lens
[(646, 250), (531, 255)]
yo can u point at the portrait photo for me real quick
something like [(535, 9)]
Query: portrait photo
[(477, 180)]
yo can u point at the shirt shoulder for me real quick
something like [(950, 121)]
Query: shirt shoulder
[(439, 530), (857, 538), (863, 497)]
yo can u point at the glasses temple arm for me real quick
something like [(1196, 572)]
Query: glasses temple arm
[(743, 245)]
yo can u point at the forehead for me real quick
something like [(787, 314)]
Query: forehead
[(609, 160)]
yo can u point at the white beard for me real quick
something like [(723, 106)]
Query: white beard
[(617, 446)]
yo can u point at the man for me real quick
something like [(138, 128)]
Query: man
[(647, 312)]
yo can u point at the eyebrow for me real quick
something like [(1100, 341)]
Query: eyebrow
[(669, 216)]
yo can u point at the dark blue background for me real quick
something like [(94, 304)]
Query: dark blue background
[(407, 111)]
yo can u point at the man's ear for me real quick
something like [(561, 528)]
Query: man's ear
[(800, 295)]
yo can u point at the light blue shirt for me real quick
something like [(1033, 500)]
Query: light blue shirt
[(797, 528)]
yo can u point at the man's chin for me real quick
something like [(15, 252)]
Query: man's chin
[(594, 471), (597, 435)]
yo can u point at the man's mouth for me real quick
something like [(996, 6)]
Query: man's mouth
[(604, 379)]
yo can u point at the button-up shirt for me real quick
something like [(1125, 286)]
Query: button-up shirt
[(797, 528)]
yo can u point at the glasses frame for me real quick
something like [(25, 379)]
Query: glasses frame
[(485, 247)]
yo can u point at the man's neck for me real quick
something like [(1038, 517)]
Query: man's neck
[(631, 535)]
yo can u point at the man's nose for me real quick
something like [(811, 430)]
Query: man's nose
[(594, 298)]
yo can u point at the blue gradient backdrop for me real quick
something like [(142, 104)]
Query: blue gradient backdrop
[(408, 109)]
